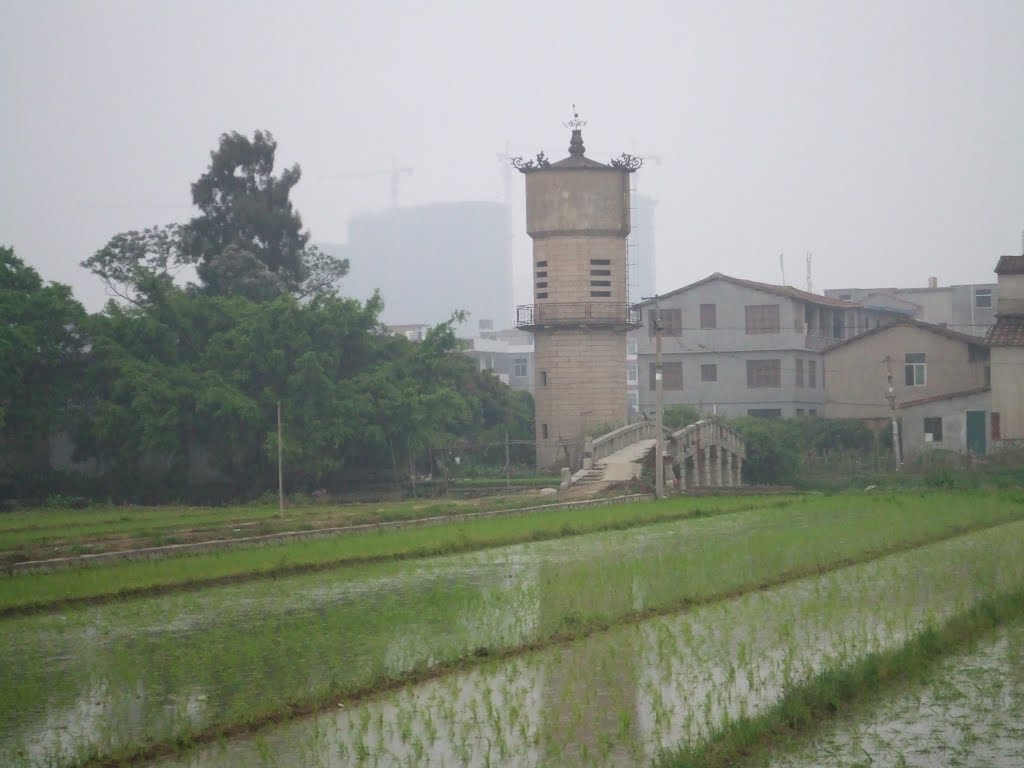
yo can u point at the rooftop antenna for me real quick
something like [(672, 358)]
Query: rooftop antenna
[(782, 266), (810, 283)]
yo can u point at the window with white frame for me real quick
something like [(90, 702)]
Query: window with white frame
[(983, 298), (631, 347), (632, 373), (521, 367), (915, 369)]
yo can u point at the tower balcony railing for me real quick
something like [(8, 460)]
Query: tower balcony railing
[(594, 314)]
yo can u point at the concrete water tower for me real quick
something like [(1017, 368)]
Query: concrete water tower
[(577, 213)]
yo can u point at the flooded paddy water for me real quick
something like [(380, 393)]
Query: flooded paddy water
[(97, 679), (620, 697), (969, 714)]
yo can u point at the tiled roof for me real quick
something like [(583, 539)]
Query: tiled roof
[(779, 290), (1010, 265), (937, 398), (966, 338), (1007, 332)]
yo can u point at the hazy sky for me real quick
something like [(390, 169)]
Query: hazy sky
[(885, 137)]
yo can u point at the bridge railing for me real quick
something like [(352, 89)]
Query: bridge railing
[(708, 432), (610, 442)]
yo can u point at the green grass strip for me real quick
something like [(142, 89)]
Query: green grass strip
[(31, 593), (832, 692)]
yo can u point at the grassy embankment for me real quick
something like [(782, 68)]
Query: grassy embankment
[(313, 651), (53, 532), (38, 591)]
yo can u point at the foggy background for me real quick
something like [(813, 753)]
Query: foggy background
[(886, 138)]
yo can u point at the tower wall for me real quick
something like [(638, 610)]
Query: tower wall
[(577, 212), (586, 387)]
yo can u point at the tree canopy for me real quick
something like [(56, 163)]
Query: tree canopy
[(247, 239), (41, 347)]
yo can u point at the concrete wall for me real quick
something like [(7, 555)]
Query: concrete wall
[(729, 346), (855, 374), (1011, 295), (729, 396), (1008, 390), (585, 386), (577, 201), (953, 412), (951, 305)]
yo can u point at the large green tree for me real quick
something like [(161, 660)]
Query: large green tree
[(247, 239), (41, 343)]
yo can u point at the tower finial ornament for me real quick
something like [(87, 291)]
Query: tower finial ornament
[(576, 148), (576, 123)]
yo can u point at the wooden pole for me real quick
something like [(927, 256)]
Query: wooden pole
[(280, 465)]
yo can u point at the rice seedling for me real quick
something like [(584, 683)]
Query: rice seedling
[(217, 662), (628, 695)]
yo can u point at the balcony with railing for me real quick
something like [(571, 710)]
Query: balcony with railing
[(589, 314)]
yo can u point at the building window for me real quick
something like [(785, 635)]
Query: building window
[(600, 272), (631, 346), (542, 284), (812, 412), (671, 376), (799, 372), (988, 375), (765, 413), (544, 431), (600, 282), (631, 372), (799, 412), (542, 295), (915, 373), (812, 374), (520, 367), (709, 372), (707, 316), (600, 262), (671, 322), (542, 263), (542, 273), (983, 298), (838, 326), (997, 433), (764, 373), (763, 318), (845, 296), (543, 378), (634, 400), (933, 429), (601, 294)]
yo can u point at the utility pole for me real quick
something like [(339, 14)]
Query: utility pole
[(280, 470), (659, 405), (890, 395)]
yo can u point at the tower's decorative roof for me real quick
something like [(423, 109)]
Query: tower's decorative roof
[(577, 157)]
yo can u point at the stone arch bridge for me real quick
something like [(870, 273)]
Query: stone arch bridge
[(704, 454)]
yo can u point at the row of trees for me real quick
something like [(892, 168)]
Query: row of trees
[(171, 379)]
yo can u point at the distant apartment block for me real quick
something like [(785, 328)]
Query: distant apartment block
[(507, 353), (965, 308), (743, 348)]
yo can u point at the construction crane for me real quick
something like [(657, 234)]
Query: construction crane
[(395, 172)]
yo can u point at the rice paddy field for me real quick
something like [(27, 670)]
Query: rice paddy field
[(778, 631)]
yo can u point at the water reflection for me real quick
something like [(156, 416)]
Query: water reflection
[(618, 698)]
